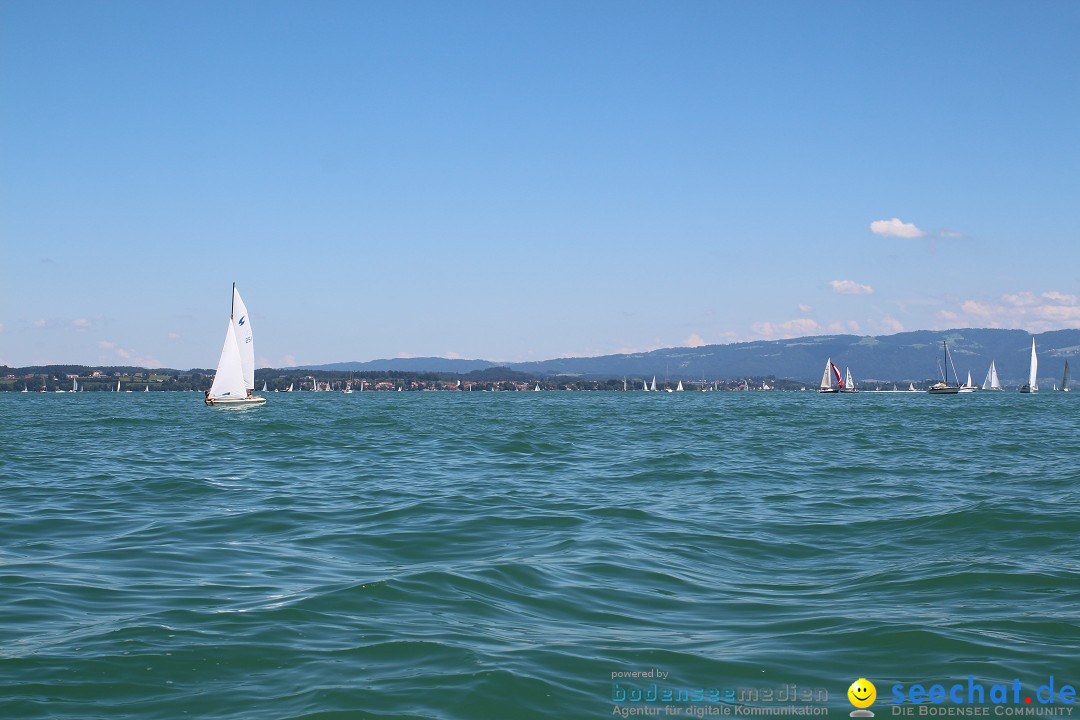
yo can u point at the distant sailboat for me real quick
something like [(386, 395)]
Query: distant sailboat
[(944, 388), (991, 382), (911, 387), (348, 389), (969, 387), (74, 385), (235, 376), (24, 388), (537, 388), (679, 387), (645, 386), (1032, 386), (264, 386), (653, 388), (117, 386), (290, 387), (1065, 378), (147, 389), (849, 384), (831, 371)]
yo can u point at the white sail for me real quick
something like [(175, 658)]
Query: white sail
[(74, 385), (826, 379), (991, 382), (911, 387), (1066, 378), (244, 339), (537, 389), (1032, 384), (653, 388), (679, 388), (264, 386), (147, 389), (848, 382), (229, 378), (290, 387), (645, 386)]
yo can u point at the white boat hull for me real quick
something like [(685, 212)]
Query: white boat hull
[(236, 402)]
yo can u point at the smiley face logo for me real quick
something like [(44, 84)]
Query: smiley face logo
[(862, 693)]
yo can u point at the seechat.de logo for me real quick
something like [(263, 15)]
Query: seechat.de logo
[(862, 694)]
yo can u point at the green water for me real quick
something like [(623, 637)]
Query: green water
[(502, 555)]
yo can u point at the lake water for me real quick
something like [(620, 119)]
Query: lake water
[(510, 555)]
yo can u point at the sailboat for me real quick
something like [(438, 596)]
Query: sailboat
[(290, 387), (348, 389), (147, 389), (645, 386), (653, 388), (74, 385), (831, 371), (264, 386), (679, 388), (849, 384), (235, 376), (969, 387), (944, 388), (117, 386), (991, 382), (1032, 386), (911, 387), (1065, 378), (24, 388), (537, 388)]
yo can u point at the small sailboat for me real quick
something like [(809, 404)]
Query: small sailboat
[(645, 385), (117, 386), (831, 371), (290, 387), (849, 384), (264, 386), (24, 388), (147, 389), (653, 387), (944, 388), (1032, 386), (235, 376), (537, 388), (991, 382), (969, 387), (679, 388), (1065, 378), (348, 389), (911, 387)]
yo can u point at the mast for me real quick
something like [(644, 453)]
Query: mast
[(946, 346), (232, 301)]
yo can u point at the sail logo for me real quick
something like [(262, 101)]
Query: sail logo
[(241, 322)]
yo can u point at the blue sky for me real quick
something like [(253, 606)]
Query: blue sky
[(529, 180)]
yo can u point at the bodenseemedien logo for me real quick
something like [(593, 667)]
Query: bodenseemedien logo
[(862, 694)]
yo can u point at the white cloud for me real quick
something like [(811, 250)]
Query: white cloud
[(804, 308), (452, 356), (850, 287), (1024, 310), (952, 234), (891, 324), (895, 228), (694, 341), (787, 329), (106, 345), (404, 355), (1052, 295), (80, 323), (1020, 299)]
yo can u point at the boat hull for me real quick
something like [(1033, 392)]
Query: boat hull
[(253, 401), (829, 391), (1028, 389), (942, 389)]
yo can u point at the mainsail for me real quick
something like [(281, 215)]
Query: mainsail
[(242, 324), (1065, 378), (229, 378), (1032, 384), (991, 382), (826, 379)]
